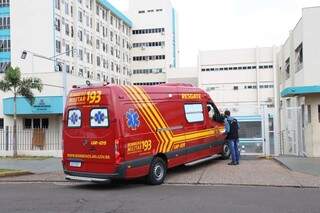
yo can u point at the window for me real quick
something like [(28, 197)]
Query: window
[(4, 22), (318, 115), (74, 118), (57, 3), (287, 68), (303, 115), (27, 123), (80, 17), (58, 25), (58, 46), (5, 45), (99, 117), (36, 123), (67, 49), (66, 8), (299, 57), (309, 113), (141, 11), (81, 54), (250, 129), (4, 65), (80, 35), (1, 123), (67, 28), (194, 113), (235, 88)]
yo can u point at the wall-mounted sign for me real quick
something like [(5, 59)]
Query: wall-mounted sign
[(41, 105)]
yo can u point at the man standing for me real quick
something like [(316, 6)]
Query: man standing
[(231, 128)]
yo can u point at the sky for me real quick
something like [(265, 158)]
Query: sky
[(231, 24)]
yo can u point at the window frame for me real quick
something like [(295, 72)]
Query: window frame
[(185, 113), (67, 120), (99, 127)]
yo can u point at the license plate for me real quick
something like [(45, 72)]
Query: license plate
[(75, 164)]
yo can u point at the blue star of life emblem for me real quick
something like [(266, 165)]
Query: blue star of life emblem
[(132, 119), (74, 118), (99, 117)]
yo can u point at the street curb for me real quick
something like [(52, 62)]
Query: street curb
[(172, 184), (15, 174), (245, 185)]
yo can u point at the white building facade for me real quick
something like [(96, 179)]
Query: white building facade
[(299, 82), (243, 81), (86, 40), (154, 40)]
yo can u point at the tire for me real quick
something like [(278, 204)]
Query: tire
[(158, 171), (225, 155)]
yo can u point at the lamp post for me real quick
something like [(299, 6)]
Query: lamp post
[(54, 59)]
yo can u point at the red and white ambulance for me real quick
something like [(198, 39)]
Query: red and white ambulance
[(113, 131)]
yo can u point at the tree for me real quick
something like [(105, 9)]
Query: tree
[(13, 83)]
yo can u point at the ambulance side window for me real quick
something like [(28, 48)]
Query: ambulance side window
[(194, 113), (74, 118), (214, 112)]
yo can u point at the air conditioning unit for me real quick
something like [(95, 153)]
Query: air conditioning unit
[(234, 109), (162, 33), (143, 48)]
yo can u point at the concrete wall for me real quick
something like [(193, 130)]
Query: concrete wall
[(221, 83), (183, 75)]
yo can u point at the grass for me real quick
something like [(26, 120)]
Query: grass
[(12, 172), (26, 158)]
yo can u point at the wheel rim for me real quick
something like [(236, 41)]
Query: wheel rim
[(158, 171), (226, 150)]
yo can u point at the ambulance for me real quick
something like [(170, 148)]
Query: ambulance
[(124, 132)]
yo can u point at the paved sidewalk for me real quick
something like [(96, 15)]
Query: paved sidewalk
[(256, 172), (300, 164), (34, 166)]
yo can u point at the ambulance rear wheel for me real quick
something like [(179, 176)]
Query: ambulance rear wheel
[(158, 171), (225, 152)]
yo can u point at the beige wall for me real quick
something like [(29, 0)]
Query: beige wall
[(312, 130)]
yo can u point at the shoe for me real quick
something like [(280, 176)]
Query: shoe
[(232, 163), (237, 163)]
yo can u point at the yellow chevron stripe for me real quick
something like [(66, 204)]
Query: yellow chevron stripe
[(148, 114), (149, 124), (147, 97), (159, 117)]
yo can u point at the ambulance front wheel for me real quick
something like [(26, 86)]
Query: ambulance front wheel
[(225, 152), (158, 171)]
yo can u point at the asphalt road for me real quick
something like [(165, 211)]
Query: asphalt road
[(133, 197)]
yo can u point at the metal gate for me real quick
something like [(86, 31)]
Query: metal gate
[(292, 142), (257, 129)]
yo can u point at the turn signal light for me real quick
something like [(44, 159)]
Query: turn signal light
[(117, 151)]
